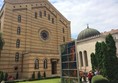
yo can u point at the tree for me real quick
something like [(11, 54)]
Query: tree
[(39, 75), (17, 75), (102, 56), (98, 54), (5, 76), (33, 75), (44, 74), (93, 61), (1, 76), (105, 58), (111, 60), (96, 59)]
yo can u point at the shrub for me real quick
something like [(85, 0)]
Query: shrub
[(5, 76), (99, 79), (33, 76), (44, 74), (1, 76), (39, 75), (17, 75), (114, 81)]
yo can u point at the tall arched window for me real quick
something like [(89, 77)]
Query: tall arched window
[(48, 16), (19, 18), (17, 43), (45, 64), (40, 14), (85, 58), (44, 13), (53, 20), (17, 57), (81, 59), (36, 64), (63, 38), (35, 15), (18, 30), (63, 30)]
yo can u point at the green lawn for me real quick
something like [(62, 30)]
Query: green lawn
[(57, 80)]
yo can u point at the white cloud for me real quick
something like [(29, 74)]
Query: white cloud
[(99, 14), (1, 3)]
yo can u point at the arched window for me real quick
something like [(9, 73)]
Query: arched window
[(18, 30), (48, 16), (63, 30), (36, 15), (17, 43), (85, 58), (45, 64), (81, 59), (53, 20), (17, 57), (40, 14), (19, 18), (36, 64), (63, 39), (44, 13)]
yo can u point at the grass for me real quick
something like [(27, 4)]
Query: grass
[(56, 80)]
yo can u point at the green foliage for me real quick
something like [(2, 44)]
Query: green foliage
[(114, 81), (44, 74), (1, 76), (111, 60), (99, 79), (39, 75), (53, 80), (17, 75), (105, 59), (5, 76), (102, 57), (97, 58), (93, 61), (33, 75)]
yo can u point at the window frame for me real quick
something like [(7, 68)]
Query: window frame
[(17, 57), (18, 30), (40, 14), (35, 15), (45, 13), (45, 64), (36, 64), (19, 18), (18, 43)]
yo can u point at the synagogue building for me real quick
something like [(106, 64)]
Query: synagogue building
[(33, 31)]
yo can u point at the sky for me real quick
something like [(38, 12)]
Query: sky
[(99, 14)]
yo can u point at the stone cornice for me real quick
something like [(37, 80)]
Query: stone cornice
[(90, 38), (45, 3), (102, 35), (22, 1)]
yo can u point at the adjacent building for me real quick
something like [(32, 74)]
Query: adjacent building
[(86, 45)]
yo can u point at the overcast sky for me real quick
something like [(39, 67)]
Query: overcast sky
[(99, 14)]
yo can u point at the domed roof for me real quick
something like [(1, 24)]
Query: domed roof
[(88, 32)]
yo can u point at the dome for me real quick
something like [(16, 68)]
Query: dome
[(88, 32)]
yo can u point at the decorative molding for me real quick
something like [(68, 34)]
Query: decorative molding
[(22, 1)]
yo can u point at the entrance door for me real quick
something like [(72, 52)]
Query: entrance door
[(54, 67)]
